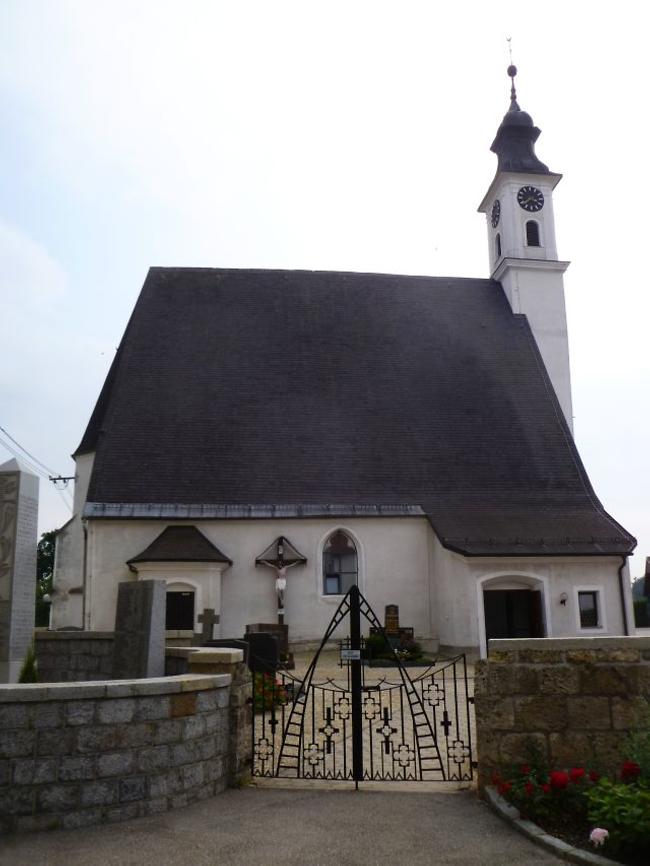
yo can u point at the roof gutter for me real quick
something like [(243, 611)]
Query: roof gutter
[(621, 587)]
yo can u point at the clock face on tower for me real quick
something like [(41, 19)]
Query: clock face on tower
[(496, 213), (530, 198)]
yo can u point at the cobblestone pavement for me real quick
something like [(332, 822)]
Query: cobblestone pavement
[(297, 826)]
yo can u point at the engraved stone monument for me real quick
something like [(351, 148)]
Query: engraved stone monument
[(18, 540), (139, 647)]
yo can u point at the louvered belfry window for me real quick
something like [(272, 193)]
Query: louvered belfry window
[(532, 234)]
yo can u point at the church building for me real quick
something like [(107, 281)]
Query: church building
[(412, 435)]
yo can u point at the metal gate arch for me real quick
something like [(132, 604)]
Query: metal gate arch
[(412, 729)]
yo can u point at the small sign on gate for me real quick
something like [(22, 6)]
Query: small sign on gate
[(350, 655)]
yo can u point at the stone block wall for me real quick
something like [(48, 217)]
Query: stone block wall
[(73, 656), (574, 700), (80, 754)]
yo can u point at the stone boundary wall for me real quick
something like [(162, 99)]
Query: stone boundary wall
[(573, 699), (74, 656), (72, 755)]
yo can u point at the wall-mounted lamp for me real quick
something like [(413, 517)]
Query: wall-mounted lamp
[(563, 598)]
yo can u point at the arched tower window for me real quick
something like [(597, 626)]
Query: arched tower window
[(340, 564), (497, 246), (532, 234)]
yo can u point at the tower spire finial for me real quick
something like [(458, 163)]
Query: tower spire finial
[(512, 71)]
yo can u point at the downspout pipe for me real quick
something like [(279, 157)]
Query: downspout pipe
[(621, 587)]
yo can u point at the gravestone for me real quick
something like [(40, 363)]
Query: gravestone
[(139, 646), (263, 656), (281, 632), (396, 634), (208, 620), (391, 619), (18, 540)]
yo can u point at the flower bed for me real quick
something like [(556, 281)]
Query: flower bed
[(584, 809)]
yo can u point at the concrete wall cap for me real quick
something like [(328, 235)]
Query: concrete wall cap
[(181, 652), (217, 656), (564, 643), (43, 634), (112, 688)]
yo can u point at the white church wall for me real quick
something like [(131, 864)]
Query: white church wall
[(393, 569), (67, 597), (458, 584)]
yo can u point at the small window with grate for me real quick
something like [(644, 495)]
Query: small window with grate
[(532, 234), (589, 609), (340, 564)]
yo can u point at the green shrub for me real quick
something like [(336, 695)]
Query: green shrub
[(29, 668), (624, 811), (641, 617)]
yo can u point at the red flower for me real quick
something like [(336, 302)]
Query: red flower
[(529, 789), (593, 776), (559, 780), (575, 774), (496, 777), (504, 788), (525, 769), (546, 788), (630, 771)]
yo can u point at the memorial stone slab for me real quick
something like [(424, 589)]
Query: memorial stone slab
[(391, 619), (18, 540), (139, 647), (264, 656)]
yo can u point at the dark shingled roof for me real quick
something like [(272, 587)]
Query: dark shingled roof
[(298, 388), (181, 544)]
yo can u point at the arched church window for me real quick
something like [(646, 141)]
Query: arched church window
[(340, 564), (532, 234), (497, 245)]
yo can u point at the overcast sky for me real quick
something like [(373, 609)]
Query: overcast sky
[(325, 135)]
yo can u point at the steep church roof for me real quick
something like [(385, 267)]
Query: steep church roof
[(300, 391)]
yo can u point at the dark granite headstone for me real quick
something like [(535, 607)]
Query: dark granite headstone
[(391, 619), (280, 630), (139, 646), (264, 656)]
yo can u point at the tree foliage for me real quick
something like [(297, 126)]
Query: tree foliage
[(44, 575)]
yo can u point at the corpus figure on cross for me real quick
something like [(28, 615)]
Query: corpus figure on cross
[(280, 567)]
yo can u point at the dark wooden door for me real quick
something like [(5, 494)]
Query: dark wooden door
[(180, 611), (512, 613)]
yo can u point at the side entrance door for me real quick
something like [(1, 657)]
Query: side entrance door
[(511, 613)]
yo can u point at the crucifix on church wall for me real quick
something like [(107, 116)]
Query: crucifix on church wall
[(280, 556)]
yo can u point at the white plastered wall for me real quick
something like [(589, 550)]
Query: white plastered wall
[(457, 607), (393, 569), (67, 595)]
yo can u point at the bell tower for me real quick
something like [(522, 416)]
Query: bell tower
[(518, 207)]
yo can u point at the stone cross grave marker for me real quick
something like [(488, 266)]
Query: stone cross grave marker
[(139, 646), (208, 620), (18, 539)]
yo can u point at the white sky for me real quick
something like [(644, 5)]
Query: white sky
[(336, 135)]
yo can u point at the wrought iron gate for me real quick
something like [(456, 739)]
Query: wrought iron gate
[(408, 729)]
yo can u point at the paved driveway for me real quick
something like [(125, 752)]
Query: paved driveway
[(299, 826)]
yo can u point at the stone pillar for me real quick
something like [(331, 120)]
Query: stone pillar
[(18, 541), (139, 647), (222, 660)]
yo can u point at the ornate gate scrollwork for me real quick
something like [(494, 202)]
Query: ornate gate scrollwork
[(409, 729)]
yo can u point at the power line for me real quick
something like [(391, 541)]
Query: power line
[(35, 459)]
